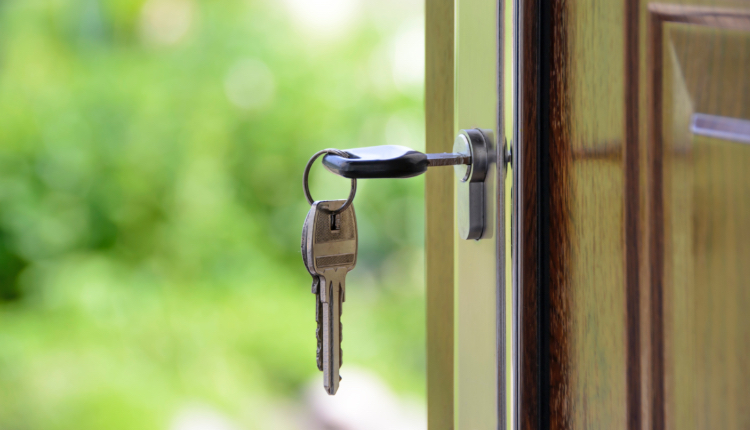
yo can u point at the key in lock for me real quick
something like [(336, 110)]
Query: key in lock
[(473, 152), (329, 234)]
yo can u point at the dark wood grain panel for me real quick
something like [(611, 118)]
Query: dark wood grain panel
[(555, 204), (585, 222), (580, 306), (633, 231)]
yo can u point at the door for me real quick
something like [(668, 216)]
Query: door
[(635, 200), (623, 305)]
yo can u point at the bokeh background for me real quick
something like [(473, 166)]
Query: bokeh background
[(151, 155)]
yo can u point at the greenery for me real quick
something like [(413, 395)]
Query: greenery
[(151, 156)]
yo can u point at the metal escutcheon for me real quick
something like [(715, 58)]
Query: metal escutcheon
[(470, 201)]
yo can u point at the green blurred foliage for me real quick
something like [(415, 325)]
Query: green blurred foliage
[(150, 226)]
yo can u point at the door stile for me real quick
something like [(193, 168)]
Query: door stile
[(526, 306), (439, 184)]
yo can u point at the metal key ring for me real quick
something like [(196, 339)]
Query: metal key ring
[(305, 186)]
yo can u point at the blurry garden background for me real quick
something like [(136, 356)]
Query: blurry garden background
[(151, 207)]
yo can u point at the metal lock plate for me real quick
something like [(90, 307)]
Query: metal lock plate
[(470, 201)]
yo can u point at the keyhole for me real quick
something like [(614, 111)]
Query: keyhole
[(335, 222)]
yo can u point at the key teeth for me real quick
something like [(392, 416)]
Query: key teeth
[(319, 349), (332, 390), (318, 332)]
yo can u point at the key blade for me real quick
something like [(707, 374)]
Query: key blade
[(334, 284), (447, 159)]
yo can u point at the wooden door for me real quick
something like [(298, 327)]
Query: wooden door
[(633, 211)]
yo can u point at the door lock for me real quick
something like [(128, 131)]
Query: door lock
[(470, 202), (470, 157)]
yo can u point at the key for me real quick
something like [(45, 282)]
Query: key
[(331, 253), (315, 286)]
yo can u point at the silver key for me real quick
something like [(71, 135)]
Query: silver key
[(307, 226), (331, 254)]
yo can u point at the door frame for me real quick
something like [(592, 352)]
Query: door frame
[(467, 302)]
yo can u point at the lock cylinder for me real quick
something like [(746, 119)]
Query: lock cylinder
[(470, 199)]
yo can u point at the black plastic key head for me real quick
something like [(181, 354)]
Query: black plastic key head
[(389, 161)]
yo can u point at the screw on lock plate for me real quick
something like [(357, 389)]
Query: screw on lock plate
[(470, 158)]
